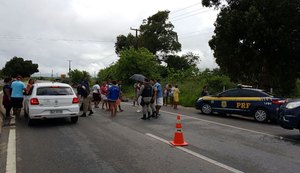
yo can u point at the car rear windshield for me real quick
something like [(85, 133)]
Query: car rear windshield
[(42, 91)]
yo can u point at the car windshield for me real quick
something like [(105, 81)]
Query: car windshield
[(54, 91)]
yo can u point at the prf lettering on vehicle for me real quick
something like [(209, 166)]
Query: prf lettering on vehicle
[(240, 105)]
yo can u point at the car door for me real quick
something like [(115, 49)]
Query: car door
[(245, 100), (226, 101)]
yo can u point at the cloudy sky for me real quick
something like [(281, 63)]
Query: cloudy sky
[(51, 32)]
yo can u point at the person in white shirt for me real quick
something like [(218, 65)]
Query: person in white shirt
[(96, 94)]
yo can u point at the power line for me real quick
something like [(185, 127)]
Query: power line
[(208, 10), (176, 11), (183, 14), (7, 37)]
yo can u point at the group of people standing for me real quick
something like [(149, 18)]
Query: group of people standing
[(151, 96), (13, 95), (171, 95), (109, 93)]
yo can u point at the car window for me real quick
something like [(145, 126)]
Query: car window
[(54, 91), (229, 93), (252, 93)]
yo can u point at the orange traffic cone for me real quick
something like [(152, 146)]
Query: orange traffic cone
[(178, 135)]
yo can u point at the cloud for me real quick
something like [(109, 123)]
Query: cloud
[(52, 32)]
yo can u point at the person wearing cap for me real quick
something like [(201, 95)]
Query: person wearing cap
[(85, 93), (146, 92), (18, 87)]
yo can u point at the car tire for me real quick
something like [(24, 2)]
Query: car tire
[(30, 121), (261, 115), (206, 108), (74, 119), (25, 113)]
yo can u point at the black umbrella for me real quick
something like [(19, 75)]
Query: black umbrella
[(138, 77)]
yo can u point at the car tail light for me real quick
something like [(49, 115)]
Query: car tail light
[(75, 100), (54, 86), (34, 101), (278, 102)]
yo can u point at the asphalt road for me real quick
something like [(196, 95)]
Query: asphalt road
[(126, 143)]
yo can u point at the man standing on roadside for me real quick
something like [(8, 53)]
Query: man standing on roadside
[(85, 93), (146, 92), (18, 87), (158, 96)]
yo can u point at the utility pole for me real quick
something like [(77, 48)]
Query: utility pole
[(136, 36), (70, 65)]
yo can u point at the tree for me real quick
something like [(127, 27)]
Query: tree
[(131, 61), (76, 76), (17, 66), (125, 42), (108, 73), (258, 41), (183, 62), (136, 61), (157, 34)]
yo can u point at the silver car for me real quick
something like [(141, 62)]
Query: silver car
[(51, 100)]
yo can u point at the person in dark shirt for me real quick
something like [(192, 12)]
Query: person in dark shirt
[(7, 97), (204, 91)]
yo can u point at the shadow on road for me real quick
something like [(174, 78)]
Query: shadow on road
[(237, 117), (49, 122)]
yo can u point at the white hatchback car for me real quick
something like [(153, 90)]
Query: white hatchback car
[(51, 100)]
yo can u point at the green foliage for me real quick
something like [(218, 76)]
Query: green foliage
[(76, 76), (131, 62), (191, 87), (297, 90), (258, 42), (157, 34), (124, 42), (19, 66), (183, 62), (108, 73)]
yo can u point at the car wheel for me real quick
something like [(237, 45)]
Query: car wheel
[(206, 109), (261, 115), (29, 121), (74, 119), (25, 113)]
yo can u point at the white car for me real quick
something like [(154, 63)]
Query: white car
[(51, 100)]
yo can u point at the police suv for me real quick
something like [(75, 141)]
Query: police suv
[(243, 101)]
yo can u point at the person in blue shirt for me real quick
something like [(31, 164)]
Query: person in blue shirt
[(112, 96), (18, 87), (158, 96)]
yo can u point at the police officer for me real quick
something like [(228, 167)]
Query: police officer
[(146, 91)]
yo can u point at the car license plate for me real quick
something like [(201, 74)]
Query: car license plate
[(56, 111)]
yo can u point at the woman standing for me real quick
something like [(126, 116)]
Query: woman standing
[(176, 96), (7, 97), (103, 91), (29, 86)]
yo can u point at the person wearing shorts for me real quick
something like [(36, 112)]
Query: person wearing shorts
[(158, 96), (103, 91), (112, 96), (96, 95), (18, 87)]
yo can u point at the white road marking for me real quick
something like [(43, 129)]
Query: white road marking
[(221, 124), (230, 126), (197, 155), (11, 152)]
